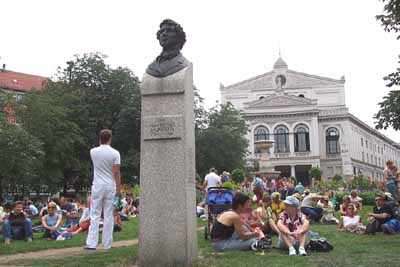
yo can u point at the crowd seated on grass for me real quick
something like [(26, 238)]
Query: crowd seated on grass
[(58, 219)]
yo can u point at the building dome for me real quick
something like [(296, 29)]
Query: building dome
[(280, 64)]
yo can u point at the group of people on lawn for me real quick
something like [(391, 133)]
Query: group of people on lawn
[(59, 219), (243, 227)]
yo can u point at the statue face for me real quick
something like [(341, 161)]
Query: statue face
[(167, 36)]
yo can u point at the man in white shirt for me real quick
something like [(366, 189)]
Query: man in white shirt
[(106, 184), (212, 179)]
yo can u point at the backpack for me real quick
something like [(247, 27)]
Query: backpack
[(319, 245)]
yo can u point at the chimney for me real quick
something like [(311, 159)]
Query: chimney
[(4, 67)]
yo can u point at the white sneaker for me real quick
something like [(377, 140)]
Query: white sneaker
[(292, 251), (302, 251)]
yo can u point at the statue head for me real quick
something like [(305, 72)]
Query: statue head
[(171, 35)]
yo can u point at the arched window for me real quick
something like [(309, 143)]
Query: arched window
[(301, 139), (332, 141), (281, 139), (261, 133), (301, 95)]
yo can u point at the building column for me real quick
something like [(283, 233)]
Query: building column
[(293, 170)]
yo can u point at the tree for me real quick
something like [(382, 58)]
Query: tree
[(223, 142), (237, 176), (389, 113), (104, 97), (315, 173), (21, 156), (47, 118)]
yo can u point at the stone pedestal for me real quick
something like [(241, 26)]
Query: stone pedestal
[(167, 171)]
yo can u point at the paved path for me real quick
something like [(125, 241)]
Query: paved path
[(64, 252)]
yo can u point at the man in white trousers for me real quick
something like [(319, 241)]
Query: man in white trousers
[(106, 184)]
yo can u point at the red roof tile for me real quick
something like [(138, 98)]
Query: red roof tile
[(20, 81)]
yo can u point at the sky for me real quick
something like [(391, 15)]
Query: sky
[(227, 41)]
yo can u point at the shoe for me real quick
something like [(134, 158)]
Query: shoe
[(29, 240), (88, 248), (7, 241), (255, 246), (292, 251), (302, 251), (387, 229)]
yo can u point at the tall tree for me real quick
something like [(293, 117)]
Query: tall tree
[(21, 156), (105, 97), (389, 113), (223, 142)]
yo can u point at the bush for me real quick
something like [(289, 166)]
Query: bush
[(369, 197), (237, 176), (136, 190), (337, 178), (229, 184), (360, 183), (315, 172)]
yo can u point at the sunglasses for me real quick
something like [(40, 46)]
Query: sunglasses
[(378, 199), (51, 208)]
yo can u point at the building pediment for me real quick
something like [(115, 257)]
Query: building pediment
[(293, 80), (279, 100)]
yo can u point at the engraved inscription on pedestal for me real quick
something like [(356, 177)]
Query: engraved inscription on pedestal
[(163, 127)]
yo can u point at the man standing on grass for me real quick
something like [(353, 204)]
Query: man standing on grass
[(106, 184)]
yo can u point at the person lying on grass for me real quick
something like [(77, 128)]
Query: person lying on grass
[(293, 227), (51, 222), (230, 233), (351, 222)]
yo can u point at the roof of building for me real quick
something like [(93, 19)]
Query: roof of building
[(280, 64), (20, 81)]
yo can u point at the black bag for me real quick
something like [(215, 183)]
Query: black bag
[(319, 245)]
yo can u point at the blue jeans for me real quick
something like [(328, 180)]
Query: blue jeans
[(234, 242), (314, 214), (394, 190), (17, 233)]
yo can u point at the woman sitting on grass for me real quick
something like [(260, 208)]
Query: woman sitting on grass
[(229, 232), (351, 222), (267, 217), (344, 205), (51, 222)]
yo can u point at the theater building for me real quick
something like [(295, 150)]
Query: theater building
[(307, 117)]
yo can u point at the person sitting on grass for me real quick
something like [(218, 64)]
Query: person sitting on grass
[(328, 212), (51, 222), (16, 225), (382, 213), (72, 220), (344, 205), (117, 221), (277, 204), (293, 227), (230, 233), (355, 199), (351, 222), (309, 206), (267, 217)]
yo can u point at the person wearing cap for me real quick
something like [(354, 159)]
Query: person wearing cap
[(308, 206), (277, 204), (390, 176), (293, 227)]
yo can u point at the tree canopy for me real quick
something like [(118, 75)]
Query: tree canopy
[(389, 113)]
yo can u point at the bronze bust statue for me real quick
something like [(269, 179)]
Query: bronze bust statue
[(172, 38)]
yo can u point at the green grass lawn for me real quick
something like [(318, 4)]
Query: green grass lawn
[(349, 250)]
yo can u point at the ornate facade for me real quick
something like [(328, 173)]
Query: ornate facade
[(307, 117)]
